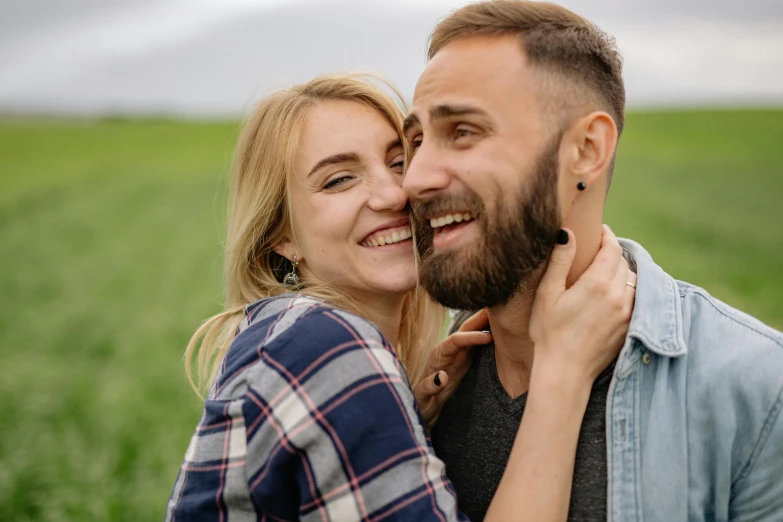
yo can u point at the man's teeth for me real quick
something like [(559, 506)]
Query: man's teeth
[(449, 219), (390, 238)]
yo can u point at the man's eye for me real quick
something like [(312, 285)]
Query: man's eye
[(336, 182), (416, 142), (464, 133)]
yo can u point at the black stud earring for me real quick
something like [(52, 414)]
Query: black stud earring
[(581, 185)]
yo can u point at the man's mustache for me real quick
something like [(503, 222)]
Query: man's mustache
[(443, 204)]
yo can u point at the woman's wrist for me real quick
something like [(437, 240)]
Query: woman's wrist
[(560, 379)]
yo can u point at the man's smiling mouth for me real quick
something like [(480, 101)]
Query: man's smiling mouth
[(439, 223)]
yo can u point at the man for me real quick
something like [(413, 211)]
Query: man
[(514, 126)]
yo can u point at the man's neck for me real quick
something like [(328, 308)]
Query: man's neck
[(513, 346), (510, 323)]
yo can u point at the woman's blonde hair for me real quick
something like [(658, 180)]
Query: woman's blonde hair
[(259, 218)]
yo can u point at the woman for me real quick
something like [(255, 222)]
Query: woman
[(310, 415)]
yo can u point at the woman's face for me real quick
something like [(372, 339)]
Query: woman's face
[(349, 210)]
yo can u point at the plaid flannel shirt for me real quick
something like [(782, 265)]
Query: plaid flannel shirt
[(310, 418)]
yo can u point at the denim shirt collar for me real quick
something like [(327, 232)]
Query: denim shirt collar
[(657, 317)]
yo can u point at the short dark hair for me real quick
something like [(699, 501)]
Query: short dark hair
[(554, 39)]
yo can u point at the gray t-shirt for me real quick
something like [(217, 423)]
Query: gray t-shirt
[(476, 430)]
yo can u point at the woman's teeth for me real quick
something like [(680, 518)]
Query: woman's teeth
[(449, 219), (388, 237), (396, 235)]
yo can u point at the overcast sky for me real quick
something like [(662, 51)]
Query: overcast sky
[(213, 58)]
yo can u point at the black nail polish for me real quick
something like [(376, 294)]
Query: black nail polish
[(562, 237), (437, 379)]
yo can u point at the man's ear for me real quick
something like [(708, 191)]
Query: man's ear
[(594, 138)]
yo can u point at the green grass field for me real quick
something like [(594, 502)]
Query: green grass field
[(110, 257)]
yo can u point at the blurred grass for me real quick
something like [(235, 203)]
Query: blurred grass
[(110, 258), (703, 193)]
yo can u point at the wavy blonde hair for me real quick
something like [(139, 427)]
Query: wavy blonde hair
[(259, 217)]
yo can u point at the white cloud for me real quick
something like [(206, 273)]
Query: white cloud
[(39, 56), (209, 57), (707, 61)]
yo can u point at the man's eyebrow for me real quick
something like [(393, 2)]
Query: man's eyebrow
[(449, 111), (336, 158), (442, 112), (409, 122), (393, 144)]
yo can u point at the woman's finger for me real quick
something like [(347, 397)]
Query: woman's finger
[(430, 386), (477, 321), (619, 283), (630, 293), (554, 281), (459, 341), (603, 269)]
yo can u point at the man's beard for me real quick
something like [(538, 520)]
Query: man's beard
[(514, 243)]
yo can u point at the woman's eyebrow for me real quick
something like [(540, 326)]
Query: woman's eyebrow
[(344, 157), (393, 144), (409, 122)]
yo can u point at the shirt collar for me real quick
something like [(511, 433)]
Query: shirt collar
[(657, 314)]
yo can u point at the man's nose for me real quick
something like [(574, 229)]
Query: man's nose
[(425, 174)]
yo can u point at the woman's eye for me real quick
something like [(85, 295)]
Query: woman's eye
[(398, 163), (464, 133), (416, 143), (336, 182)]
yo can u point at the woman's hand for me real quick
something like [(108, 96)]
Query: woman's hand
[(448, 364), (579, 331)]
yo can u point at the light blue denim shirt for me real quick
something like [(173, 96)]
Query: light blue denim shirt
[(694, 423)]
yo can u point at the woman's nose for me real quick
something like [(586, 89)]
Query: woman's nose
[(387, 193)]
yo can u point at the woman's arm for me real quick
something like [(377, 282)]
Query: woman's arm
[(577, 333), (450, 362), (536, 485), (333, 432)]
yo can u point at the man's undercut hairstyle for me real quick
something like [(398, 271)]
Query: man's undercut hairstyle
[(583, 65)]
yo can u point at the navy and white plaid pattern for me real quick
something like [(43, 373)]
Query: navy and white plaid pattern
[(311, 418)]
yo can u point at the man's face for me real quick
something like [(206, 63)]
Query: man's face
[(483, 180)]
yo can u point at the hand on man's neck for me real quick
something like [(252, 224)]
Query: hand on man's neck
[(514, 350)]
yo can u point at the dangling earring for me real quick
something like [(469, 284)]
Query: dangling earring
[(291, 278), (581, 185)]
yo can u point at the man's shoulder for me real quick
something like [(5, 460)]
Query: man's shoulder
[(711, 324), (734, 377), (734, 360), (674, 318)]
